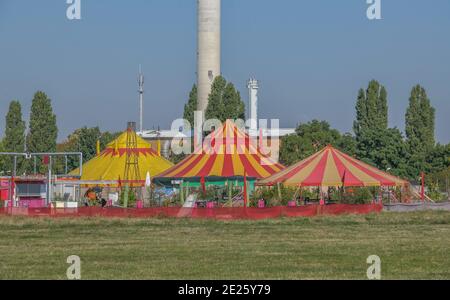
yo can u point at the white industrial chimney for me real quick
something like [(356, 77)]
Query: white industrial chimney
[(253, 104), (209, 15)]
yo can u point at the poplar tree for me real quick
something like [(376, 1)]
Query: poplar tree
[(191, 106), (14, 140), (371, 119), (419, 128), (371, 109), (43, 130), (224, 101), (234, 108), (215, 109)]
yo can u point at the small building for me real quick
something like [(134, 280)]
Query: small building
[(30, 192)]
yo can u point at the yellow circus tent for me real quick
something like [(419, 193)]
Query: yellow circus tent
[(109, 166)]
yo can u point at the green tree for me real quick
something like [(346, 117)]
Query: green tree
[(43, 131), (3, 168), (107, 137), (371, 109), (224, 101), (347, 143), (291, 149), (419, 128), (215, 109), (84, 140), (234, 107), (310, 138), (191, 106), (438, 159), (385, 150), (14, 140), (371, 124)]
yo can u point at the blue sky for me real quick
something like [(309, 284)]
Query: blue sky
[(311, 57)]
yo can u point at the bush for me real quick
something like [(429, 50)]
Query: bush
[(358, 196), (131, 197)]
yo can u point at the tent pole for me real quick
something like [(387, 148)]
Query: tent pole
[(279, 191), (181, 194), (125, 197), (296, 194), (230, 193), (389, 195)]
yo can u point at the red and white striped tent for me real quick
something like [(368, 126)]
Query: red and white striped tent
[(332, 168)]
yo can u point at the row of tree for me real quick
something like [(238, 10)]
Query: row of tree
[(41, 136), (374, 141)]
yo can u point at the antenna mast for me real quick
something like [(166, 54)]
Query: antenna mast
[(141, 99)]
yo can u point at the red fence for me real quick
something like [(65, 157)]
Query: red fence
[(197, 213)]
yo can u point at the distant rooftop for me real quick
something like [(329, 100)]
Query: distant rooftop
[(170, 134)]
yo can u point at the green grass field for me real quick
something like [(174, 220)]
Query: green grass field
[(410, 245)]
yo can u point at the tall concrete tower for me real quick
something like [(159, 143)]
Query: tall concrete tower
[(253, 87), (208, 59)]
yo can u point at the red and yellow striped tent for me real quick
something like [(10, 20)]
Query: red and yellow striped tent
[(332, 168), (227, 153)]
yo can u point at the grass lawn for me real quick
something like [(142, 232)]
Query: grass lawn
[(410, 245)]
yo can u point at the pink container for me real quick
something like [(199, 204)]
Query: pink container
[(210, 205), (292, 204), (4, 190), (109, 203), (32, 203), (322, 202), (261, 204), (139, 204)]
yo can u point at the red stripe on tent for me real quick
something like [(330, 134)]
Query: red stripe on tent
[(206, 170), (346, 175), (362, 165), (382, 180), (316, 177), (228, 169), (248, 167), (298, 168), (176, 167), (189, 167), (269, 168)]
